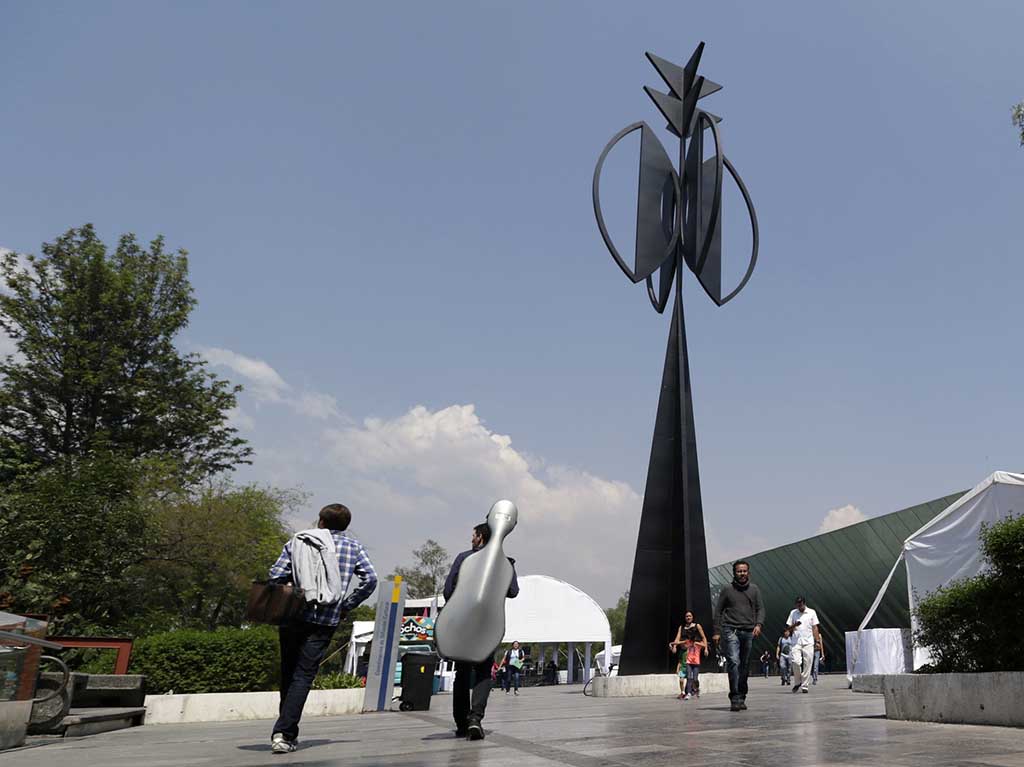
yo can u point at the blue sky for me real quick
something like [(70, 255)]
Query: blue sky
[(388, 214)]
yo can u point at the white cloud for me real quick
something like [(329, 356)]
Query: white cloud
[(23, 264), (267, 386), (427, 471), (262, 380), (7, 345), (316, 405), (240, 420), (841, 517)]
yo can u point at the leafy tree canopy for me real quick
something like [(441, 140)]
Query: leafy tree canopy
[(617, 618), (97, 368), (109, 544), (426, 577)]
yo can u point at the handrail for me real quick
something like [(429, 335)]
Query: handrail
[(30, 640)]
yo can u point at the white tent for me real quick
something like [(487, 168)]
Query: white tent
[(362, 635), (605, 661), (550, 611), (947, 548), (547, 611)]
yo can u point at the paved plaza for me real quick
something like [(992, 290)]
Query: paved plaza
[(552, 727)]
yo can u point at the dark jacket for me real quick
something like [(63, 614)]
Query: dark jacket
[(739, 607), (453, 576)]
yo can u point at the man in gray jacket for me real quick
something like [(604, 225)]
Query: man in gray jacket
[(739, 616)]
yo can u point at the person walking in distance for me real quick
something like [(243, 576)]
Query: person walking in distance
[(819, 656), (691, 637), (304, 641), (782, 654), (803, 625), (739, 617), (468, 710), (513, 663)]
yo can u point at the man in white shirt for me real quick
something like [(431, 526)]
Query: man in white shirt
[(803, 627)]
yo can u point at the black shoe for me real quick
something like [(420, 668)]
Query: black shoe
[(735, 707), (461, 732), (743, 705), (476, 731), (796, 688)]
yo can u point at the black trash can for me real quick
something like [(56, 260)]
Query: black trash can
[(417, 681)]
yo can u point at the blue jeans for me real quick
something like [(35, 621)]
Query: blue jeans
[(737, 644), (692, 679), (511, 677), (784, 667), (303, 646)]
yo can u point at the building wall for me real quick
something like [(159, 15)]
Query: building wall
[(839, 573)]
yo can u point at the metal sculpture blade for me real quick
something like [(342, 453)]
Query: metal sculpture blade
[(670, 570)]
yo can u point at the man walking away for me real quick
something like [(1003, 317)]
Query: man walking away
[(304, 641), (803, 625), (739, 617), (469, 712)]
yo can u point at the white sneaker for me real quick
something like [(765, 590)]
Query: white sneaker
[(279, 744), (804, 689)]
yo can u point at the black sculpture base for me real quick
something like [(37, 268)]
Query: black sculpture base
[(670, 570)]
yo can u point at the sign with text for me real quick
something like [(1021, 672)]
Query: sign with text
[(387, 629), (416, 629)]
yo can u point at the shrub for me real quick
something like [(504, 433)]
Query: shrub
[(975, 624), (225, 660), (337, 681)]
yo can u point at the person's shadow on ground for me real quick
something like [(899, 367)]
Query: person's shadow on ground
[(303, 744)]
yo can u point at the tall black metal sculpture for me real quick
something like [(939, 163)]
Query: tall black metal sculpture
[(678, 220)]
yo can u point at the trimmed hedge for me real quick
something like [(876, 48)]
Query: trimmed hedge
[(225, 660)]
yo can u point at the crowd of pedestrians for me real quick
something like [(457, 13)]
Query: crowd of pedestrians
[(739, 619)]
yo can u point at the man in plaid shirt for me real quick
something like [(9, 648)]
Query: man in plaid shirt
[(304, 641)]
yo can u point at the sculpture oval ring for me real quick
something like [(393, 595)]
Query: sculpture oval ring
[(638, 275)]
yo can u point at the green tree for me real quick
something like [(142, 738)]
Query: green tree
[(72, 533), (617, 618), (107, 543), (207, 545), (97, 368), (1017, 114), (975, 624), (426, 577)]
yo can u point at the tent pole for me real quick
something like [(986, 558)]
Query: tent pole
[(569, 668), (586, 664)]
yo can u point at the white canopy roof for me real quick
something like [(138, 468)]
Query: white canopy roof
[(547, 610), (550, 610), (948, 547)]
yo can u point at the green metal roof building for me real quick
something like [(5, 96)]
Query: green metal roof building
[(839, 573)]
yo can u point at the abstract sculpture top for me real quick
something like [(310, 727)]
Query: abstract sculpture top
[(472, 623), (679, 212)]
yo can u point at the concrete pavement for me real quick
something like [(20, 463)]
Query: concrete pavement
[(555, 727)]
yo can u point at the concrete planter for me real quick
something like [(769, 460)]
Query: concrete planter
[(869, 683), (238, 706), (956, 698), (653, 685)]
